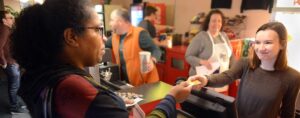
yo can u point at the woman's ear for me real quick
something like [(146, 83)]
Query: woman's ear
[(70, 38)]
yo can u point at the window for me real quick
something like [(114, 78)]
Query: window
[(288, 12)]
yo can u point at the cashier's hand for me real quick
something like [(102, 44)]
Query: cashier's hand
[(203, 81), (206, 63), (164, 43), (128, 101), (181, 91)]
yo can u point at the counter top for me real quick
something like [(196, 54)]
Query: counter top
[(151, 92)]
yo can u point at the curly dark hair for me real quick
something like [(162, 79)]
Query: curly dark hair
[(38, 38), (207, 19)]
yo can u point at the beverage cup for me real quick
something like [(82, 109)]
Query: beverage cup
[(144, 60)]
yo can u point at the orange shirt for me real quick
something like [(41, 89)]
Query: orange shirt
[(131, 49)]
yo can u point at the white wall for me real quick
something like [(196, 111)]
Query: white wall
[(186, 9), (180, 12), (123, 3), (170, 4)]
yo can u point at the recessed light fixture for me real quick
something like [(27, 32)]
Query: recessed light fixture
[(24, 1)]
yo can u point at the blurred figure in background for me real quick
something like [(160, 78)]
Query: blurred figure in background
[(210, 46), (11, 68), (150, 17), (126, 42)]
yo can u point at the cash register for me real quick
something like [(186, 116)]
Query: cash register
[(110, 74)]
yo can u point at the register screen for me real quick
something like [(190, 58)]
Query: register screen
[(136, 14)]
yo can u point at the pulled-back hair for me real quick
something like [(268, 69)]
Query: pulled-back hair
[(38, 38), (281, 61)]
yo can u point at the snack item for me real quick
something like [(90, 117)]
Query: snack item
[(130, 98), (195, 82)]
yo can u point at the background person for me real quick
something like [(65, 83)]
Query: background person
[(126, 43), (150, 17), (268, 87), (210, 46), (63, 37), (11, 68)]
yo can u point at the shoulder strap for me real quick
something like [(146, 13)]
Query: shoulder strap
[(48, 91)]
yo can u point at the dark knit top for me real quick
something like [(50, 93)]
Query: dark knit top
[(262, 93)]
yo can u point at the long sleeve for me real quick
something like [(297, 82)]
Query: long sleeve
[(165, 109), (193, 50), (289, 99), (146, 43), (226, 77), (201, 48), (148, 26), (157, 114)]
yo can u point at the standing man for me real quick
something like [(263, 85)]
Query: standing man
[(11, 68), (150, 16), (126, 42)]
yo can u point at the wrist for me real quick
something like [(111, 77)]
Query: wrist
[(154, 60), (205, 81), (201, 62), (172, 95)]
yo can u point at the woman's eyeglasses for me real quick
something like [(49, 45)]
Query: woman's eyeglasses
[(98, 29)]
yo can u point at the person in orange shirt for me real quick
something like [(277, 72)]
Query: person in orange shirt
[(126, 42)]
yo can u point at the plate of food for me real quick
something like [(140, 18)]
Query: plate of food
[(130, 98)]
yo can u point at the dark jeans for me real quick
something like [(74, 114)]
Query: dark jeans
[(13, 76)]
